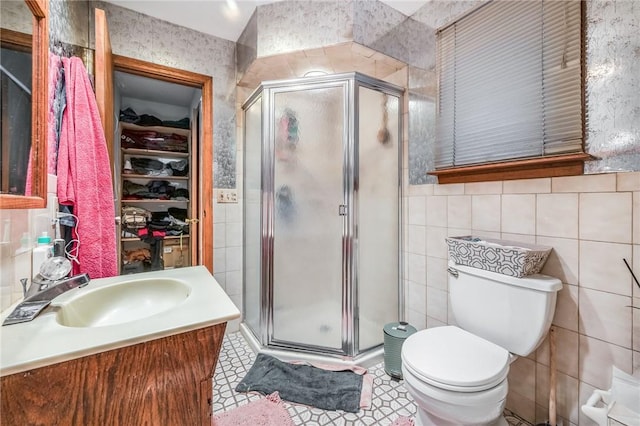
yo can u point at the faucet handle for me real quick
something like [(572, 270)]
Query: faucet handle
[(24, 282)]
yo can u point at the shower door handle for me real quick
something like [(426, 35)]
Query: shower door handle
[(342, 210)]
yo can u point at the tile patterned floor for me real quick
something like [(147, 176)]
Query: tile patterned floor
[(390, 400)]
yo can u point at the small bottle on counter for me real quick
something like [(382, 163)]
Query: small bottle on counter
[(41, 252)]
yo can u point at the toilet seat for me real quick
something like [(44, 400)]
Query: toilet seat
[(453, 359)]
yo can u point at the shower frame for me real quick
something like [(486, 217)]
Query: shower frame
[(264, 336)]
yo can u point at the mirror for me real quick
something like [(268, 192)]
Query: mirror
[(24, 104)]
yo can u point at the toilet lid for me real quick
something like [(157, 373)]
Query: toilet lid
[(452, 358)]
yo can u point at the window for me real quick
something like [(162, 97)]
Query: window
[(511, 89)]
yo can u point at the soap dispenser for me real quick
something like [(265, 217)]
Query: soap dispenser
[(41, 252)]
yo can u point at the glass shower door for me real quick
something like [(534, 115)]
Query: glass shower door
[(308, 143), (252, 297), (378, 213)]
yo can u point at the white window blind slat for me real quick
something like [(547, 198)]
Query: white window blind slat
[(510, 83)]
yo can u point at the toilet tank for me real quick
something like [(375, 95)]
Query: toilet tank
[(514, 313)]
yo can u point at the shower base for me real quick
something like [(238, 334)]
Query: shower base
[(366, 359)]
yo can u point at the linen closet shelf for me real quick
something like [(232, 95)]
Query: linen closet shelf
[(154, 176)]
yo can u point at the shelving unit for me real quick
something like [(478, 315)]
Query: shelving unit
[(138, 188)]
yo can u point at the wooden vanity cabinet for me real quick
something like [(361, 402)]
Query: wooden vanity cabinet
[(167, 381)]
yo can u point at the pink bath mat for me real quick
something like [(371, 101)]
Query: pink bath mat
[(403, 421), (268, 411)]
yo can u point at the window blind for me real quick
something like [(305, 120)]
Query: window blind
[(510, 83)]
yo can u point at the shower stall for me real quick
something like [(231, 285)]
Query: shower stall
[(322, 208)]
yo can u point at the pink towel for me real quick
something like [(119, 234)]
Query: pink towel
[(403, 421), (84, 175)]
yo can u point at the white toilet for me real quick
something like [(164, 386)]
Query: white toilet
[(457, 375)]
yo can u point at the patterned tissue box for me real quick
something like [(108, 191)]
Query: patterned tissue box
[(501, 256)]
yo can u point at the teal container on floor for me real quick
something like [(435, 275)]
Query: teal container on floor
[(395, 333)]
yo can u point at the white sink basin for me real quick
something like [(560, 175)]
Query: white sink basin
[(111, 313), (123, 302)]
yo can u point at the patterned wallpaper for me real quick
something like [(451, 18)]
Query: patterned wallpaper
[(613, 85), (143, 37), (613, 65), (247, 46), (288, 26), (68, 24), (384, 29), (150, 39), (422, 125), (283, 27)]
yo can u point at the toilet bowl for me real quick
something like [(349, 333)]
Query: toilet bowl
[(454, 377), (457, 375)]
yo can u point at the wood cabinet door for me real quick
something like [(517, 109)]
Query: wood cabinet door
[(104, 80), (105, 64)]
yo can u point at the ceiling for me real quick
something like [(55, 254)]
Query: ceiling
[(222, 18)]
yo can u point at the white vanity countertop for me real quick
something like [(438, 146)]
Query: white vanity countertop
[(44, 341)]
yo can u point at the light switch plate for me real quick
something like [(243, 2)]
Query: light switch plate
[(227, 196)]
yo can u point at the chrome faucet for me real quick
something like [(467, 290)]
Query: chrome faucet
[(40, 294)]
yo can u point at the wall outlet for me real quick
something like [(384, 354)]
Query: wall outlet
[(227, 196)]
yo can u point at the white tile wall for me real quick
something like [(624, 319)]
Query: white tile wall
[(227, 253), (219, 235), (586, 183), (219, 260), (436, 211), (563, 262), (635, 338), (567, 344), (519, 214), (485, 213), (15, 263), (459, 211), (567, 387), (479, 188), (417, 268), (628, 181), (636, 218), (602, 267), (417, 211), (566, 315), (437, 304), (437, 276), (596, 359), (605, 316), (606, 217), (522, 238), (522, 377), (635, 265), (449, 189), (234, 259), (436, 245), (416, 239), (234, 234), (418, 300), (527, 186), (557, 215)]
